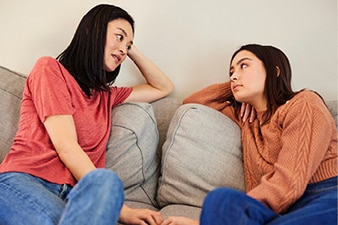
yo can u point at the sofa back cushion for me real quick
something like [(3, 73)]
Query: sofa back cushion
[(11, 88), (332, 106), (132, 151), (164, 109), (202, 151)]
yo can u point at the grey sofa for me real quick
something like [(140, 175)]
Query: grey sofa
[(158, 173)]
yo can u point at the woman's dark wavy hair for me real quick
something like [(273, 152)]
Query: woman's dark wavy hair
[(84, 57), (278, 88)]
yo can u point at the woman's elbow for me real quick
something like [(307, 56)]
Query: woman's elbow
[(169, 88)]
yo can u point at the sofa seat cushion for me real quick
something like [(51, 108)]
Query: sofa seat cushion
[(202, 151), (132, 151), (192, 212)]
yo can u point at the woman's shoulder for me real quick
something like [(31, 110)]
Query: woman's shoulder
[(306, 96), (46, 61), (304, 100), (45, 65)]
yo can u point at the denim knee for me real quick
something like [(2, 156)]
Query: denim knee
[(96, 199), (244, 209), (107, 179), (224, 194), (102, 181)]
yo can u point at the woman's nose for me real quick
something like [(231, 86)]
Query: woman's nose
[(233, 77), (123, 49)]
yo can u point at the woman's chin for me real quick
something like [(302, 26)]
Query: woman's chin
[(109, 69), (111, 66), (238, 99)]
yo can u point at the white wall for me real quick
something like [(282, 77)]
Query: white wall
[(190, 40)]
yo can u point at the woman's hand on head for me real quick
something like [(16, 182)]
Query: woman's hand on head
[(178, 220), (248, 112), (132, 51), (140, 216)]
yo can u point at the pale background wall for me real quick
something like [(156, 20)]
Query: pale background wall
[(190, 40)]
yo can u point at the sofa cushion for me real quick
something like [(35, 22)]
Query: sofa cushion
[(164, 109), (202, 151), (332, 106), (11, 88), (132, 151), (191, 212)]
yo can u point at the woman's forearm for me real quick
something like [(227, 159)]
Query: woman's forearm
[(153, 75)]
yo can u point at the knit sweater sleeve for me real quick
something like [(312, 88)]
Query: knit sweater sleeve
[(215, 96), (306, 133)]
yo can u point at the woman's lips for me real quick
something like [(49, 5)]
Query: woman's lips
[(117, 58), (235, 87)]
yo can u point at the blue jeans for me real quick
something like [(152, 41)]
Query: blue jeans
[(96, 199), (318, 205)]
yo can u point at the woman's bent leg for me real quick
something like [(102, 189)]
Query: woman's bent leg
[(96, 199), (224, 206), (24, 199), (318, 205)]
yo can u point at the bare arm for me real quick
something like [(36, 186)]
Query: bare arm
[(62, 132), (158, 84)]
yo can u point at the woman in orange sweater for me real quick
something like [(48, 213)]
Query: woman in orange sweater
[(290, 150)]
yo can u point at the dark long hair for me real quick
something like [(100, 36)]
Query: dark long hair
[(84, 57), (278, 88)]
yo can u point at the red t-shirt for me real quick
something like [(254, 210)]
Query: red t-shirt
[(51, 90)]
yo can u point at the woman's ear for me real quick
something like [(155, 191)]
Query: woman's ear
[(277, 71)]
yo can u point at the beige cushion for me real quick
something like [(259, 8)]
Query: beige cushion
[(132, 151), (164, 109), (202, 151), (11, 88)]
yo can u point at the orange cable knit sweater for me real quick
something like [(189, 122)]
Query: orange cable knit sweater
[(297, 147)]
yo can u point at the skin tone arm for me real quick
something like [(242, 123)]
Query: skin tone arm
[(158, 84), (62, 132)]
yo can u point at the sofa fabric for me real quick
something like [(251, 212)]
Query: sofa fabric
[(132, 151), (11, 89), (202, 151)]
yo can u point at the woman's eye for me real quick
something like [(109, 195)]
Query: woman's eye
[(119, 37), (243, 66)]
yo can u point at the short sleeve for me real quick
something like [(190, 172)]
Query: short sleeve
[(48, 89), (120, 93)]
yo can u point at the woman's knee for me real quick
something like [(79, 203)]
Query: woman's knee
[(223, 195), (100, 185), (105, 179)]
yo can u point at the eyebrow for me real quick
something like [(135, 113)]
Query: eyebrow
[(240, 61), (125, 33)]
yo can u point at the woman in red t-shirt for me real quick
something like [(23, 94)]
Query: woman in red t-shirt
[(51, 174)]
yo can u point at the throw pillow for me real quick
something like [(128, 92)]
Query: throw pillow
[(132, 151), (202, 151)]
